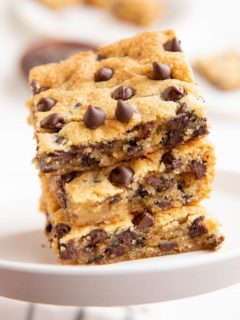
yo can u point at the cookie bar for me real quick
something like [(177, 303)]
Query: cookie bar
[(158, 181), (140, 235), (126, 100), (222, 70)]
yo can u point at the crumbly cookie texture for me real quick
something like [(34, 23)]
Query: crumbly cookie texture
[(222, 70), (153, 183), (140, 12), (126, 100), (140, 235)]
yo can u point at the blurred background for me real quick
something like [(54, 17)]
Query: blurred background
[(31, 33)]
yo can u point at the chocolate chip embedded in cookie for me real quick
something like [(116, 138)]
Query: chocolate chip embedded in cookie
[(68, 177), (143, 220), (198, 168), (173, 45), (123, 93), (94, 117), (121, 176), (53, 122), (198, 227), (97, 235), (36, 88), (62, 229), (161, 71), (127, 237), (124, 111), (103, 74), (173, 93), (45, 104)]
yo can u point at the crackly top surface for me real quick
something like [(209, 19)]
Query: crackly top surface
[(75, 83)]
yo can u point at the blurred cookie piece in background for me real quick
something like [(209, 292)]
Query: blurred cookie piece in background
[(139, 12), (49, 51), (58, 4), (223, 70)]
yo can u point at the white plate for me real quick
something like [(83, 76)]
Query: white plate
[(28, 270), (90, 24)]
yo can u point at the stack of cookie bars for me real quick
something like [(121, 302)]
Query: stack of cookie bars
[(122, 153)]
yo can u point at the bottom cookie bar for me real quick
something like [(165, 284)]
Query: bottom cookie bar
[(141, 235)]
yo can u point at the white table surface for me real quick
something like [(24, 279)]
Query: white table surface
[(212, 25)]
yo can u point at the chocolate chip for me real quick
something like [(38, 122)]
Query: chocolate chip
[(141, 192), (53, 122), (143, 220), (97, 236), (161, 71), (115, 199), (186, 199), (36, 87), (173, 93), (48, 228), (68, 251), (170, 162), (146, 130), (160, 184), (94, 117), (140, 242), (103, 74), (202, 130), (115, 251), (173, 45), (167, 246), (197, 228), (175, 129), (127, 237), (45, 104), (101, 57), (68, 177), (133, 148), (121, 176), (77, 105), (182, 108), (124, 111), (198, 168), (62, 229), (60, 140), (89, 162), (163, 204), (123, 93)]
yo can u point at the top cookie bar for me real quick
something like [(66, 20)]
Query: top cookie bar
[(125, 100)]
